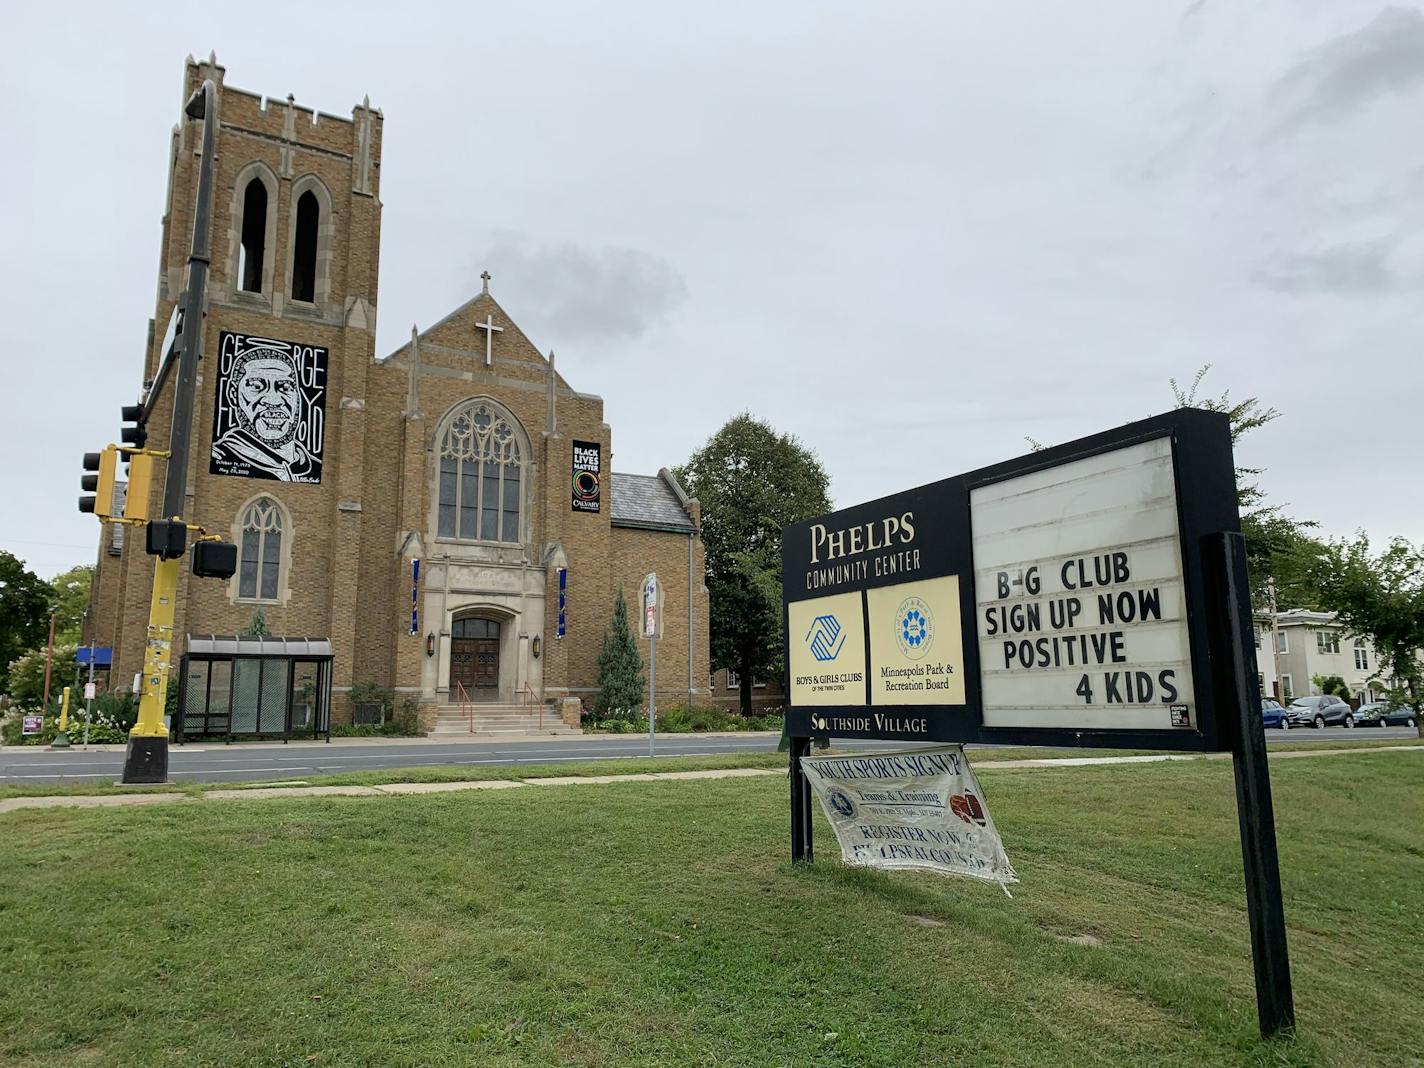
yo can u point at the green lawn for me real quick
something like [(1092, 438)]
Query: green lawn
[(659, 924)]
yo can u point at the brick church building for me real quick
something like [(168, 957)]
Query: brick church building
[(445, 516)]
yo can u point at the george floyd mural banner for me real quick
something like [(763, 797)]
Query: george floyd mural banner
[(270, 411)]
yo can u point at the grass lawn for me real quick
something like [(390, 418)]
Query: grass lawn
[(659, 924)]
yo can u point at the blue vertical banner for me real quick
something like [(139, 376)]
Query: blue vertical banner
[(414, 597), (563, 599)]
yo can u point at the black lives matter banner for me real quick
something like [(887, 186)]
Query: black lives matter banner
[(269, 412), (1057, 598), (587, 476)]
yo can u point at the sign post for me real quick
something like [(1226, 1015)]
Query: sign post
[(1090, 594), (652, 624)]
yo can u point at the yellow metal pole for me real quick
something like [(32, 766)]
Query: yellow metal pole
[(61, 736), (160, 643)]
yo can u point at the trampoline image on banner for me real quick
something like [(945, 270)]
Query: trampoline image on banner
[(269, 413)]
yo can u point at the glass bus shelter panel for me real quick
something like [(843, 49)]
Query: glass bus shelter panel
[(246, 691), (274, 689), (306, 693)]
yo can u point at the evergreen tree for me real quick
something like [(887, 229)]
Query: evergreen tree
[(620, 668)]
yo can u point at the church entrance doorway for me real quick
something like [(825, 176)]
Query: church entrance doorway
[(474, 658)]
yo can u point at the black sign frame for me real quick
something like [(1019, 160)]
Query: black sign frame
[(1206, 504)]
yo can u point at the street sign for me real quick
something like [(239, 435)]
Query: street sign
[(652, 618), (90, 691)]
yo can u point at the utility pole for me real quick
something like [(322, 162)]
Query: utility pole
[(147, 758), (49, 661)]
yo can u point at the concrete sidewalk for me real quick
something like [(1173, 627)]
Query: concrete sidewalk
[(14, 804)]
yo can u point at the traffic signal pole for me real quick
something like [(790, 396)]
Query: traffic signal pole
[(147, 758)]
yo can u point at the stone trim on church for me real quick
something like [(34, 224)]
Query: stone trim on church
[(425, 505)]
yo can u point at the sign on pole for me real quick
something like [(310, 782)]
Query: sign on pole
[(652, 628), (1091, 594), (1058, 599)]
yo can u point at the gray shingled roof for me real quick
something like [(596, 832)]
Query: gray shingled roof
[(647, 501)]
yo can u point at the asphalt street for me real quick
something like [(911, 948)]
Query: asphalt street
[(253, 762)]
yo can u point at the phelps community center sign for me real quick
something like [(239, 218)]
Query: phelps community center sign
[(1059, 598), (1091, 594)]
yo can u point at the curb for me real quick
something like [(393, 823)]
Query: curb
[(397, 789)]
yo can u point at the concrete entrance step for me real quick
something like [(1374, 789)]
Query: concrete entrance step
[(498, 719)]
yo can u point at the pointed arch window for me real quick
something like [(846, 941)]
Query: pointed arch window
[(261, 532), (253, 249), (481, 476), (304, 247)]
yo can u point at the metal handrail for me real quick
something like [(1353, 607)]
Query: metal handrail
[(468, 705)]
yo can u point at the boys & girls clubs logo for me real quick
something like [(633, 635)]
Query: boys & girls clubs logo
[(825, 639)]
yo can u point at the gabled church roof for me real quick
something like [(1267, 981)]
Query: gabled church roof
[(648, 502)]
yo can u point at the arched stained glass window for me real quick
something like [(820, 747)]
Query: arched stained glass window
[(259, 566), (481, 476)]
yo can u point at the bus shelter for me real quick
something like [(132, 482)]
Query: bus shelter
[(241, 687)]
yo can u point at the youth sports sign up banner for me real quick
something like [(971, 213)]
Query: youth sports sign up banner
[(920, 809), (1063, 598)]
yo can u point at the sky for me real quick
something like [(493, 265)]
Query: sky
[(912, 235)]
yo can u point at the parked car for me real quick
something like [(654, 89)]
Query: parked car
[(1272, 714), (1379, 714), (1324, 711)]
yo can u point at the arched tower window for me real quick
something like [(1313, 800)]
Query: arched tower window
[(481, 475), (304, 248), (254, 236), (261, 531)]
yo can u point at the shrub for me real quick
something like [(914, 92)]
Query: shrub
[(103, 730)]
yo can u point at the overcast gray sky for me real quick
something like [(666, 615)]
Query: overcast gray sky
[(911, 234)]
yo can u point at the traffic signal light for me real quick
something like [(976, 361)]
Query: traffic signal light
[(215, 559), (140, 483), (167, 538), (98, 483), (134, 436)]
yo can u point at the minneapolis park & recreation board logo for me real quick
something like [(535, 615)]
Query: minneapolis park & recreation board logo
[(825, 639), (914, 627)]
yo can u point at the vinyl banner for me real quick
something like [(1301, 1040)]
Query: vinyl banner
[(269, 411), (920, 808), (587, 472)]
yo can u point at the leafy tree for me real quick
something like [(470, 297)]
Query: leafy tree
[(1331, 684), (71, 602), (1379, 597), (27, 672), (24, 612), (751, 482), (1275, 543), (620, 668), (258, 627)]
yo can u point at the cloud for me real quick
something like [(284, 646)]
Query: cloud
[(1353, 268), (1385, 56), (573, 294)]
